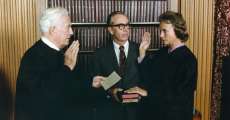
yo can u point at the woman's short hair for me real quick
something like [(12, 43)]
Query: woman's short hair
[(178, 22), (50, 17)]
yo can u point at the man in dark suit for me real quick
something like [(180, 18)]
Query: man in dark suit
[(45, 71), (170, 74), (109, 59)]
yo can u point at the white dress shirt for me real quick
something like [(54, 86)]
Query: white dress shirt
[(117, 50), (49, 43)]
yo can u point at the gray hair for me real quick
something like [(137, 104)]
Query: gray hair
[(50, 17)]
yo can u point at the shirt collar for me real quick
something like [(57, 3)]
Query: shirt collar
[(126, 47), (180, 45), (49, 43)]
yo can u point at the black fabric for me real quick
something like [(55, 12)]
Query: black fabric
[(105, 63), (170, 79), (225, 109), (43, 84)]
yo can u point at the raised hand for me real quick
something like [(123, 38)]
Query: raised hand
[(71, 55), (146, 40)]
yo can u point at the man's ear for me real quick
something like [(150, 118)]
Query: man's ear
[(110, 30), (51, 29)]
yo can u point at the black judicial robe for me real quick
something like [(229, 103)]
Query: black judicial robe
[(42, 84), (170, 79)]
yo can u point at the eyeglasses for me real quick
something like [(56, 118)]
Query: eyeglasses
[(121, 26)]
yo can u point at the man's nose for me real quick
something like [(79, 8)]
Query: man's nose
[(71, 31)]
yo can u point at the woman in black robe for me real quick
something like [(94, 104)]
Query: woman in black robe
[(170, 74)]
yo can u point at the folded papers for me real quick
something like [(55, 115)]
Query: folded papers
[(111, 80)]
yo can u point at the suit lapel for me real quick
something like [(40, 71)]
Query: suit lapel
[(131, 56), (113, 57), (114, 63)]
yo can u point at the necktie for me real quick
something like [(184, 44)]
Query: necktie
[(122, 61)]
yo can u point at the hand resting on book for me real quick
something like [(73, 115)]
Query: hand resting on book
[(137, 90)]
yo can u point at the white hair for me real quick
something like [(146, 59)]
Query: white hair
[(50, 17)]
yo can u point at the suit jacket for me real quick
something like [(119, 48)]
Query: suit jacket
[(42, 84), (170, 79), (105, 64)]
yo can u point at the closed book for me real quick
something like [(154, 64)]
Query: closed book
[(130, 100), (130, 95)]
